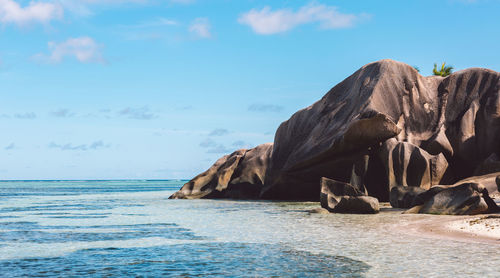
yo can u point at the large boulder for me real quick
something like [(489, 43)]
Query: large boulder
[(239, 175), (341, 197), (384, 126), (464, 199)]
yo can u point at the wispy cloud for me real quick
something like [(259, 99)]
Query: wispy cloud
[(62, 113), (98, 145), (11, 12), (84, 7), (82, 147), (239, 144), (157, 22), (214, 147), (27, 115), (219, 149), (266, 21), (208, 143), (9, 147), (22, 116), (200, 27), (138, 113), (218, 132), (83, 49), (257, 107), (68, 147)]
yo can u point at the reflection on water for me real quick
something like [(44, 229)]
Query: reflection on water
[(130, 228)]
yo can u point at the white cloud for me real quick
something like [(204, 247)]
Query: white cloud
[(82, 147), (62, 113), (35, 12), (157, 22), (218, 132), (258, 107), (83, 49), (267, 22), (201, 28), (140, 113), (83, 7)]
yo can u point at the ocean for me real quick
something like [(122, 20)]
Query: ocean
[(129, 228)]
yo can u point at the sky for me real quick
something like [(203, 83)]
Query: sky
[(151, 89)]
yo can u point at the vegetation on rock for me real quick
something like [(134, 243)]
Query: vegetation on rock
[(444, 71)]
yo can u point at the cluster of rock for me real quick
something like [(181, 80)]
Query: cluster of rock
[(467, 197), (385, 130)]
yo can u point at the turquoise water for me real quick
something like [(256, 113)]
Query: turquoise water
[(130, 228)]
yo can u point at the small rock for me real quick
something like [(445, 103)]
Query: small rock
[(342, 197), (359, 204)]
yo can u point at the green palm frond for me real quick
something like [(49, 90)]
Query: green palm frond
[(444, 71)]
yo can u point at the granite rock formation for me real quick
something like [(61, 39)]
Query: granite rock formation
[(384, 126), (341, 197), (239, 175), (464, 199)]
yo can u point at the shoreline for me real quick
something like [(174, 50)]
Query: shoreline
[(481, 228)]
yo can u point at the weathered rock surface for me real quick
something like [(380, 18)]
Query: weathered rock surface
[(405, 196), (384, 126), (409, 165), (464, 199), (239, 175), (341, 197)]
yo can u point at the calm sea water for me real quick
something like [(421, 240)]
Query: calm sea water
[(130, 228)]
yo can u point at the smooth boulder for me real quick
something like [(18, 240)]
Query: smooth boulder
[(239, 175), (463, 199), (340, 197)]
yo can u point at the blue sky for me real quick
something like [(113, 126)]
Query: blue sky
[(160, 89)]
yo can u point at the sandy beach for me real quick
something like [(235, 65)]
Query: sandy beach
[(477, 228)]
